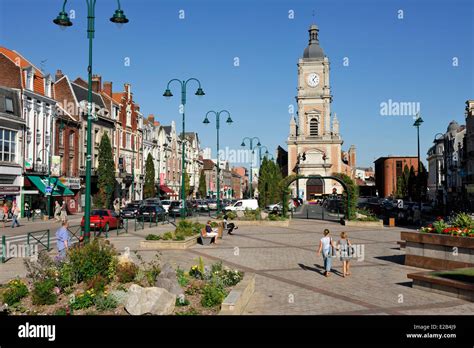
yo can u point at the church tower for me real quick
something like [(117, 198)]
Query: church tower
[(315, 147)]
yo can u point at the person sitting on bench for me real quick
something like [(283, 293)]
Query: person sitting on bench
[(229, 227), (210, 232)]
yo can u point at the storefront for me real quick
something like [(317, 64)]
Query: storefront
[(166, 192), (59, 192), (73, 202)]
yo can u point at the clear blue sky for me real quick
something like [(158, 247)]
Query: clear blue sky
[(402, 60)]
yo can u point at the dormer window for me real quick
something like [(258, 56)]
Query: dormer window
[(47, 86), (29, 76)]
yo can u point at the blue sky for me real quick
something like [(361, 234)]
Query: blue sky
[(407, 60)]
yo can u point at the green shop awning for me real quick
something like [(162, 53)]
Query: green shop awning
[(58, 187)]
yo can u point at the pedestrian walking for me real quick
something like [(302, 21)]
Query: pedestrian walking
[(2, 215), (63, 239), (63, 212), (15, 215), (5, 214), (346, 253), (326, 246), (57, 211), (27, 211)]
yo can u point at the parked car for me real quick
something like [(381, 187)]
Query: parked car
[(243, 204), (165, 204), (103, 219), (152, 201), (175, 208), (152, 212), (212, 204), (130, 211), (202, 205)]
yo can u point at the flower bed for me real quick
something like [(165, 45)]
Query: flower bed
[(441, 245), (94, 279)]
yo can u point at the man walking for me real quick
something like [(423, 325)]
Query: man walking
[(63, 212), (63, 239)]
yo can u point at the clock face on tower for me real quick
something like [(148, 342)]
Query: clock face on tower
[(312, 80)]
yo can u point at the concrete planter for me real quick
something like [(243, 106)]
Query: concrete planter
[(428, 282), (284, 223), (437, 251), (371, 224), (239, 297), (169, 244)]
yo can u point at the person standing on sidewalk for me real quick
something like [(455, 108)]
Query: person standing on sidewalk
[(63, 239), (27, 211), (63, 212), (15, 215), (326, 245), (57, 211)]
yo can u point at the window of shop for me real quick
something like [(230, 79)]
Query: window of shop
[(7, 145)]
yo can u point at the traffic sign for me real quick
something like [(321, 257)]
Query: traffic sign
[(48, 190)]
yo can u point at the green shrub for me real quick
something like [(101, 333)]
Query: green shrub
[(126, 272), (440, 225), (97, 283), (16, 290), (105, 302), (67, 275), (148, 271), (92, 259), (84, 300), (43, 292), (213, 294), (230, 277), (63, 311), (183, 279), (167, 236), (181, 302), (462, 220), (152, 237), (43, 268)]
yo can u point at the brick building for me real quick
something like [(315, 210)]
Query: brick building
[(387, 171)]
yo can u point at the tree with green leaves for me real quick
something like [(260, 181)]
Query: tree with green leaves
[(149, 188), (269, 183), (202, 190), (352, 193), (106, 172), (187, 184)]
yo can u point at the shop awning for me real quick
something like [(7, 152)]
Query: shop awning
[(58, 187), (166, 189)]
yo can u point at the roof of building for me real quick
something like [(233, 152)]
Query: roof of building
[(167, 129), (81, 94), (208, 164), (313, 50)]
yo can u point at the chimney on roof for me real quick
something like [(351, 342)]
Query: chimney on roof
[(108, 88), (96, 83), (157, 123), (151, 118), (58, 75)]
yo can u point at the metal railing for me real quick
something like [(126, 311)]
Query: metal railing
[(31, 237)]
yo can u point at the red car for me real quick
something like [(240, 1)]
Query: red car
[(103, 220)]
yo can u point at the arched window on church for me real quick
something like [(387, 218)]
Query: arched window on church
[(313, 127)]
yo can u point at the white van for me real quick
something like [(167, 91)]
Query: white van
[(242, 204)]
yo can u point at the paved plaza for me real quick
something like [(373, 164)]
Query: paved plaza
[(289, 274)]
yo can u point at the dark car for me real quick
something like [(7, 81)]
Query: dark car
[(103, 220), (130, 211), (152, 212), (152, 201), (175, 208)]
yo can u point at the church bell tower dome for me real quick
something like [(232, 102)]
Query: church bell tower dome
[(313, 51)]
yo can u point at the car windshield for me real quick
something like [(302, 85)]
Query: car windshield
[(99, 212)]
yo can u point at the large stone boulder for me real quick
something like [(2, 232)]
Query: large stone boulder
[(263, 215), (171, 285), (240, 214), (167, 271), (157, 301)]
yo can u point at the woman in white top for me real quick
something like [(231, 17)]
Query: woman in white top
[(326, 245)]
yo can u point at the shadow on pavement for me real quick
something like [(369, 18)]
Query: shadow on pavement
[(398, 259)]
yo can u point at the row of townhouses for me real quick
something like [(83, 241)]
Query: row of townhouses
[(451, 165), (43, 137)]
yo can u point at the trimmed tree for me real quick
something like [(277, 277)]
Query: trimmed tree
[(269, 183), (106, 173), (202, 190), (187, 184), (149, 188)]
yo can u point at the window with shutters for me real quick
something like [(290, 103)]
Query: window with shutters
[(313, 127)]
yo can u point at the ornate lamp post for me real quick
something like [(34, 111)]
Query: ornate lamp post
[(168, 94), (251, 140), (229, 121), (63, 21), (417, 124)]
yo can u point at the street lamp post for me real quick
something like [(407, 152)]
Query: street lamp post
[(417, 124), (168, 94), (63, 20), (251, 140), (435, 141), (229, 121)]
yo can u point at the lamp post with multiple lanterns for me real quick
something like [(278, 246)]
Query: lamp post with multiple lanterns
[(251, 146), (229, 121), (168, 94), (63, 21)]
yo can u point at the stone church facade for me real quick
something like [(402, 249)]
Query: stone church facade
[(314, 142)]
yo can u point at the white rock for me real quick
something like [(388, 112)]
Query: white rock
[(151, 300)]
